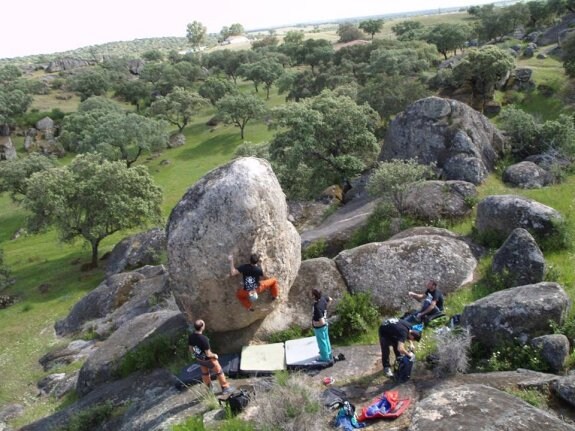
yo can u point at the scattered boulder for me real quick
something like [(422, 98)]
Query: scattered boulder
[(135, 66), (519, 313), (527, 175), (57, 385), (554, 350), (6, 301), (176, 140), (450, 133), (320, 273), (306, 214), (519, 261), (104, 364), (529, 50), (65, 64), (436, 200), (11, 411), (7, 149), (501, 214), (564, 388), (116, 300), (388, 270), (478, 406), (552, 34), (75, 351), (549, 160), (238, 208), (138, 250), (45, 125)]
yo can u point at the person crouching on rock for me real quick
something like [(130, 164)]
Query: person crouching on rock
[(207, 360), (393, 333), (254, 282)]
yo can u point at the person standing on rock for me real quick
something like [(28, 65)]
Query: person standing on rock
[(254, 282), (432, 302), (319, 324), (393, 333), (199, 346)]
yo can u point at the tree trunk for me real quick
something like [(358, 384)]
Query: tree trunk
[(242, 132), (95, 243)]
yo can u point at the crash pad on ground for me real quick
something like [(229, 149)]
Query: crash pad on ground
[(263, 358)]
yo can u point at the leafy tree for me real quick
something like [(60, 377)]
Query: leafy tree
[(568, 48), (294, 36), (153, 55), (265, 71), (228, 61), (298, 85), (267, 41), (448, 37), (239, 109), (484, 67), (196, 33), (371, 26), (315, 52), (392, 180), (233, 30), (136, 92), (403, 58), (12, 104), (215, 88), (322, 141), (408, 30), (90, 82), (14, 173), (292, 43), (521, 129), (348, 32), (389, 95), (92, 198), (178, 107), (107, 129), (9, 74), (539, 13)]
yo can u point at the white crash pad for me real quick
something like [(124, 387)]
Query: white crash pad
[(263, 358), (302, 351)]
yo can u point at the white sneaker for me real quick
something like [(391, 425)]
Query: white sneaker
[(387, 372)]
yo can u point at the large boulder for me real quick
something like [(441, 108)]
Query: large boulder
[(65, 64), (437, 200), (527, 175), (459, 139), (501, 214), (519, 261), (554, 350), (564, 388), (116, 300), (519, 313), (238, 208), (138, 250), (480, 407), (104, 364), (322, 274), (7, 149), (388, 270)]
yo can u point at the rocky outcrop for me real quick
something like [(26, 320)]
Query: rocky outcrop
[(135, 251), (75, 351), (501, 214), (477, 406), (516, 314), (104, 364), (65, 64), (564, 388), (238, 208), (527, 175), (176, 140), (519, 261), (136, 66), (7, 149), (388, 270), (322, 274), (463, 143), (115, 301), (440, 200), (554, 350)]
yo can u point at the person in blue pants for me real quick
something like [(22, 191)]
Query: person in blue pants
[(319, 324)]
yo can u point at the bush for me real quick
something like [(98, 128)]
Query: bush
[(356, 315), (291, 333), (293, 405), (315, 249), (452, 352), (508, 357), (91, 418)]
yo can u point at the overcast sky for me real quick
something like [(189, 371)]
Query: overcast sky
[(42, 27)]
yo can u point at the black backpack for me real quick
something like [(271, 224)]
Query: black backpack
[(238, 400), (403, 366)]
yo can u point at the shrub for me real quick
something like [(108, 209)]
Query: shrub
[(452, 352), (292, 406), (91, 418), (567, 328), (158, 352), (356, 315), (291, 333), (508, 357), (315, 249), (530, 396)]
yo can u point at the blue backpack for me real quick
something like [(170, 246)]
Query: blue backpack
[(403, 366)]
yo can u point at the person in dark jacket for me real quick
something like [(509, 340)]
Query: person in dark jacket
[(394, 333), (199, 346), (431, 302)]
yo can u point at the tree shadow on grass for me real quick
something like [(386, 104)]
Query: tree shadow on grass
[(219, 144)]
